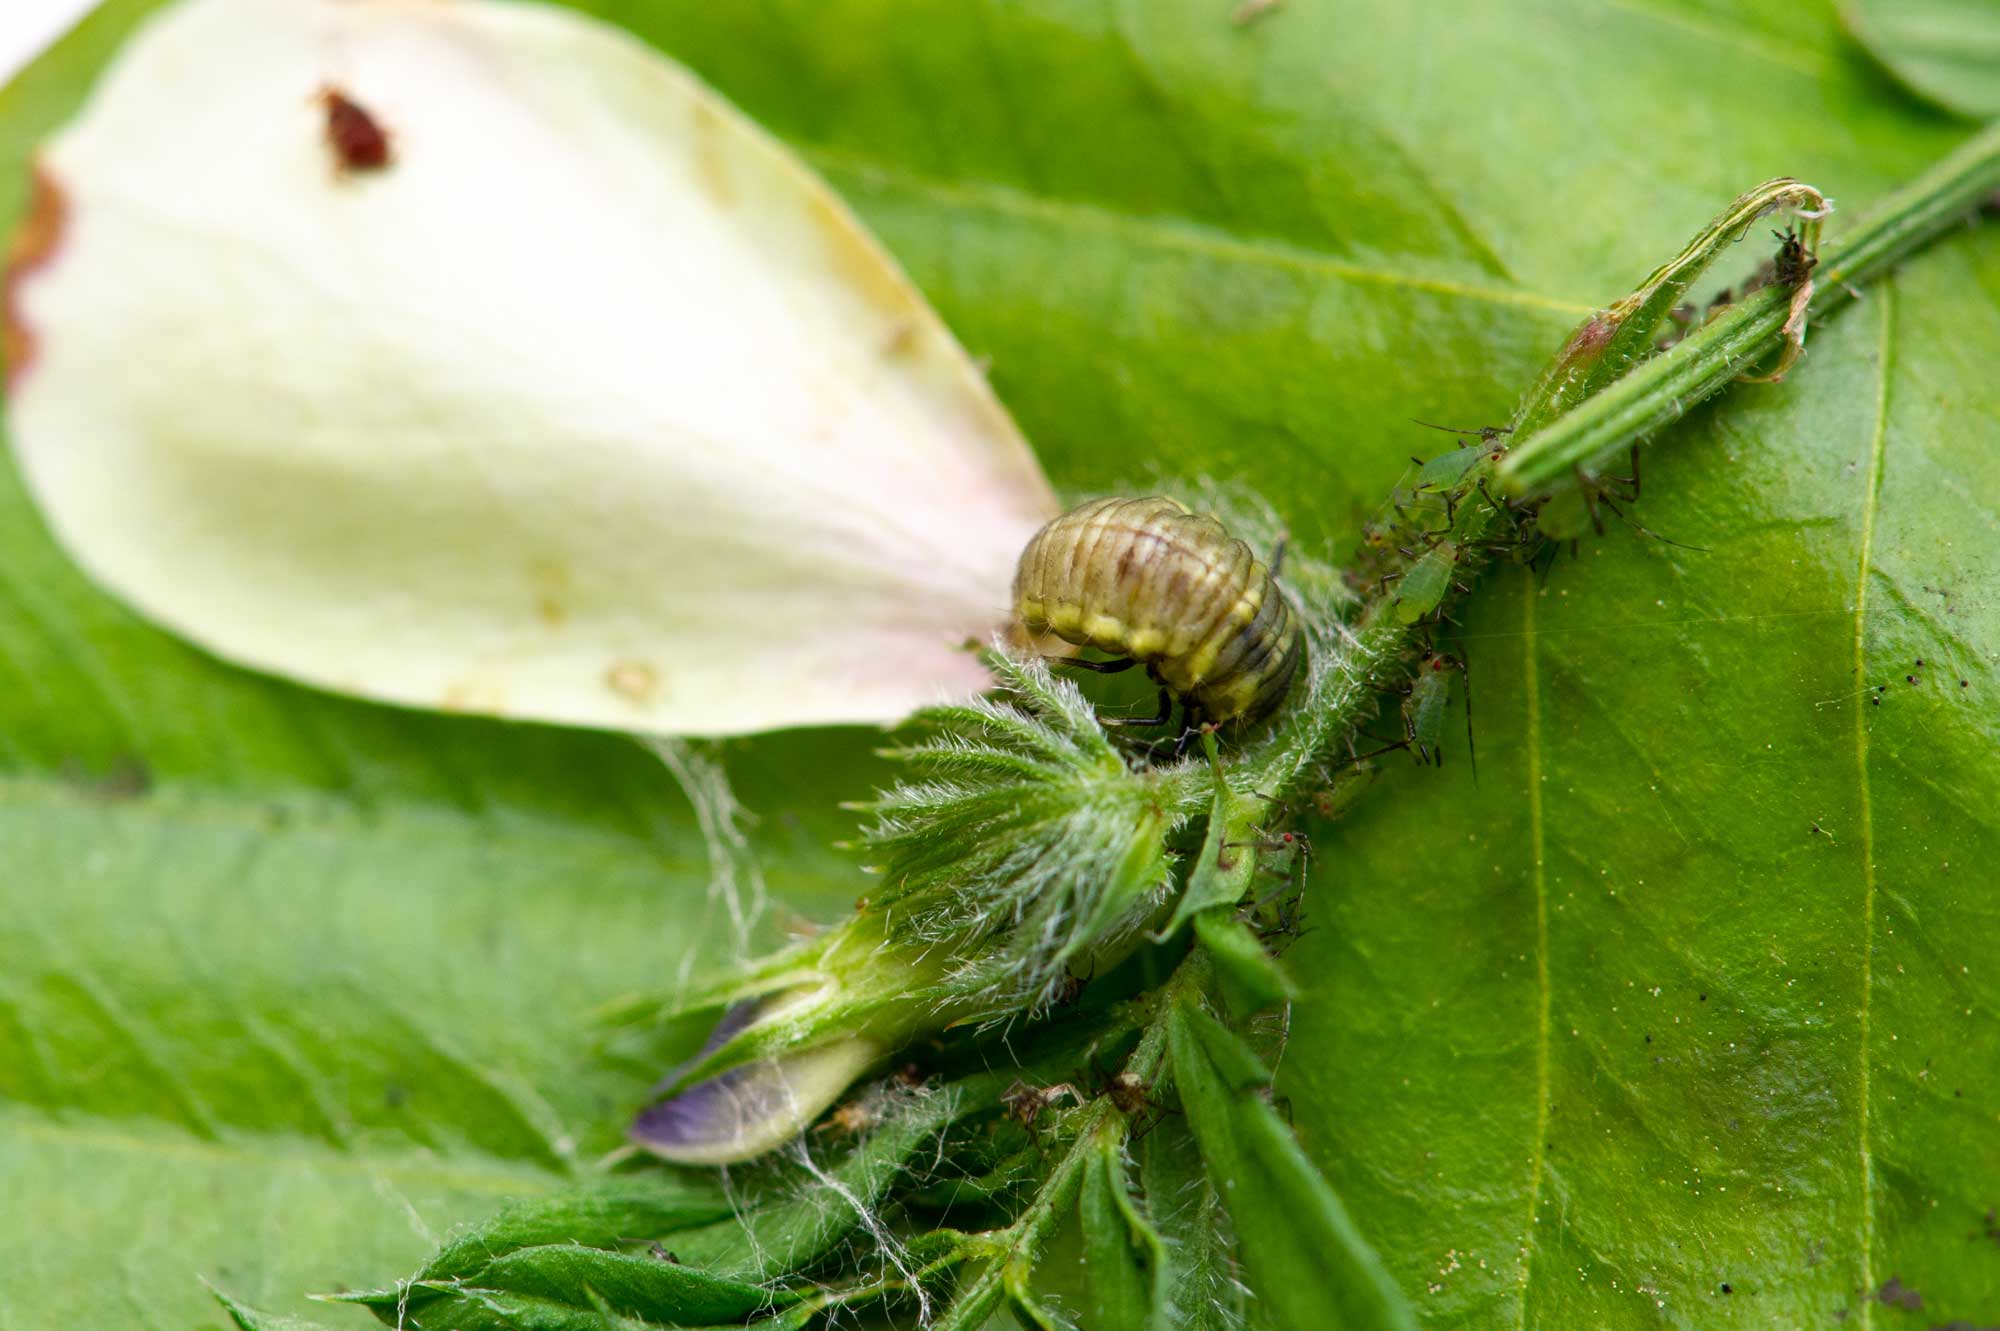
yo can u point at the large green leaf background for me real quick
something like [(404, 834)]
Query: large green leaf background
[(1685, 1014)]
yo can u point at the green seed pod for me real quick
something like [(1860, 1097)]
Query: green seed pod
[(1152, 582)]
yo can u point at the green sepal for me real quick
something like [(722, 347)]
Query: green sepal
[(608, 1214), (1126, 1263), (1309, 1264), (1251, 978)]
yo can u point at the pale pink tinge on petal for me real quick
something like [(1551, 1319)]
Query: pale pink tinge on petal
[(582, 400)]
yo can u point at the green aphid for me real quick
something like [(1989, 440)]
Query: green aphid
[(1428, 702), (1448, 469), (1423, 587), (1339, 794)]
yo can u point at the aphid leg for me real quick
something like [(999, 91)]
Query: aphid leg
[(1648, 531), (1100, 667), (1553, 550), (1277, 560), (1425, 755), (1587, 487), (1360, 758), (1465, 672)]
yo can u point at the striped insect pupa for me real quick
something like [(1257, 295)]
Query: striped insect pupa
[(1151, 582)]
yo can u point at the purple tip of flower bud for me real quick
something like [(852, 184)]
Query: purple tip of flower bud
[(751, 1109), (735, 1020)]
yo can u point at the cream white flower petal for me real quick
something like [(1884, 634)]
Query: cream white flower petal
[(592, 405)]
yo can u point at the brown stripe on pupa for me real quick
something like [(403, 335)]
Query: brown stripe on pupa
[(33, 246)]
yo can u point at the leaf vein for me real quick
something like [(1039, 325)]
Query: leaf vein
[(1165, 233), (1531, 689), (1870, 502)]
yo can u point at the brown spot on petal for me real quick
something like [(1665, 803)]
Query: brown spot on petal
[(551, 585), (903, 340), (861, 264), (473, 695), (36, 242), (358, 140), (635, 681)]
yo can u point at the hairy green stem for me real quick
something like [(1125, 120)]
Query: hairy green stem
[(1660, 390)]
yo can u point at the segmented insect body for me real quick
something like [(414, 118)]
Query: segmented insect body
[(1424, 586), (1424, 709), (1152, 582)]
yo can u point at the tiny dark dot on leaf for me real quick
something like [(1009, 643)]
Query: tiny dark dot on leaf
[(1704, 998), (1726, 1288)]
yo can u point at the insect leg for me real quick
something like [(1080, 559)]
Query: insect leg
[(1100, 667), (1165, 714), (1465, 672), (1648, 531)]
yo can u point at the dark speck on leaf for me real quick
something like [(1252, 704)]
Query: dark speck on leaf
[(394, 1095), (1704, 998), (1895, 1294), (125, 779), (1726, 1289)]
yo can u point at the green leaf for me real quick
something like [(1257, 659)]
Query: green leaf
[(1308, 1263), (1945, 51), (295, 988)]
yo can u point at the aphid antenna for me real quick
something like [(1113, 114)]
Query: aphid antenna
[(1485, 433)]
